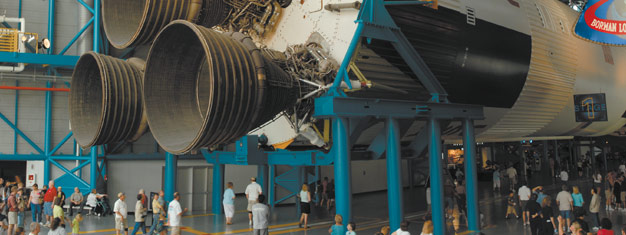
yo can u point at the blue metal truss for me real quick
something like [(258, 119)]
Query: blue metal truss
[(48, 154)]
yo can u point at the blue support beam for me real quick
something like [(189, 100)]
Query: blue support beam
[(32, 58), (80, 33), (67, 137), (218, 188), (471, 178), (19, 132), (169, 179), (51, 13), (262, 177), (96, 25), (343, 191), (436, 181), (48, 119), (394, 171), (271, 194), (93, 168), (17, 98)]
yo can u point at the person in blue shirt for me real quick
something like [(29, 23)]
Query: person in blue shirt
[(540, 195), (229, 203), (337, 228), (578, 199), (351, 228)]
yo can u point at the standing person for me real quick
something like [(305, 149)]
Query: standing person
[(524, 196), (157, 210), (460, 197), (324, 191), (337, 228), (351, 227), (61, 194), (261, 216), (594, 209), (608, 191), (617, 191), (578, 199), (305, 206), (564, 176), (597, 179), (76, 224), (34, 200), (174, 214), (579, 165), (565, 202), (57, 211), (331, 194), (253, 190), (21, 208), (48, 199), (12, 208), (547, 216), (512, 173), (496, 179), (229, 203), (76, 199), (121, 213), (510, 209), (540, 195), (534, 214), (140, 219)]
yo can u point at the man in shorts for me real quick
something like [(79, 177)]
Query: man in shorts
[(566, 203), (252, 194), (12, 208), (121, 214), (48, 198), (524, 195)]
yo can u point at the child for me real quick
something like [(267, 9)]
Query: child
[(511, 205), (338, 227), (76, 224), (351, 228)]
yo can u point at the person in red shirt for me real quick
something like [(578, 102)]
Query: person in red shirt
[(48, 198)]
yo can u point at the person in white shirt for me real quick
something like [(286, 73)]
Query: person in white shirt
[(403, 230), (566, 203), (252, 194), (121, 214), (92, 200), (512, 174), (174, 214), (524, 195), (564, 176)]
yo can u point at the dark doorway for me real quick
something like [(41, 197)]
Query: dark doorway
[(9, 169)]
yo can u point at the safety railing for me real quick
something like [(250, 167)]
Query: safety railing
[(9, 40)]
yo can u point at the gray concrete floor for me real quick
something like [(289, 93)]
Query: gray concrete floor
[(370, 214)]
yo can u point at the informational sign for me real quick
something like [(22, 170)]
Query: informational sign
[(32, 178), (590, 107), (604, 22)]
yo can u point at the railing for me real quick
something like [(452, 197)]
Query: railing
[(9, 39)]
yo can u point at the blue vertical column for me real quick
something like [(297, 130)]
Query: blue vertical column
[(394, 180), (436, 184), (96, 25), (93, 168), (343, 192), (51, 14), (218, 188), (471, 185), (271, 195), (261, 177), (169, 179), (46, 171)]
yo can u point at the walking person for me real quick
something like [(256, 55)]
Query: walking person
[(261, 216), (512, 174), (617, 191), (157, 209), (578, 199), (253, 190), (511, 202), (594, 209), (35, 200), (76, 199), (524, 196), (229, 203), (305, 206), (324, 191), (565, 202), (76, 224), (121, 214), (496, 179), (21, 208), (174, 214), (534, 213), (547, 217), (140, 219)]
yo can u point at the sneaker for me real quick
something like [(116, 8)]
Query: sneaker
[(595, 229)]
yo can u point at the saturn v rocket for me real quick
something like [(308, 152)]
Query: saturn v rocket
[(219, 69)]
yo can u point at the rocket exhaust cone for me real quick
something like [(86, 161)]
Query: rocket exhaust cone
[(105, 101), (204, 88)]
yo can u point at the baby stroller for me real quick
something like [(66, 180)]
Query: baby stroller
[(102, 207)]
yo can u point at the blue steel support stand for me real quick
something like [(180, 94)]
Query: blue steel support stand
[(394, 181), (473, 215), (436, 184), (169, 179), (218, 188), (343, 192), (271, 195), (93, 168)]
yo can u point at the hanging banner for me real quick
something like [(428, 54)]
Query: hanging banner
[(603, 22)]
